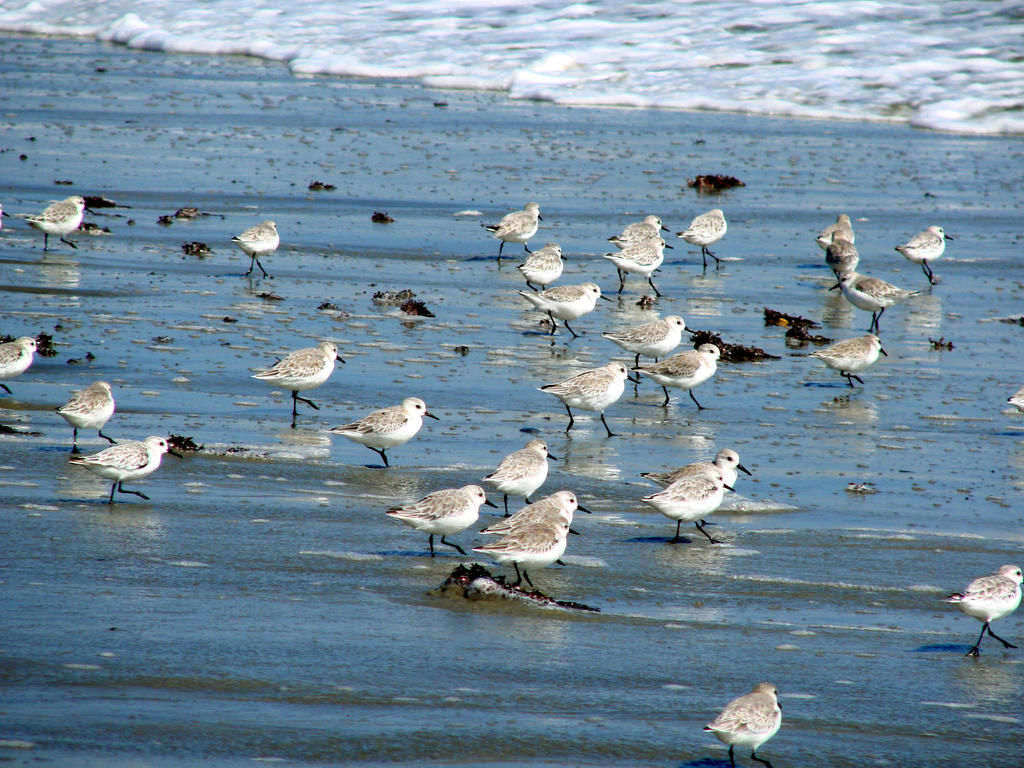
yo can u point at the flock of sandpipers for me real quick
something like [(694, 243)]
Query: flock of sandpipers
[(536, 535)]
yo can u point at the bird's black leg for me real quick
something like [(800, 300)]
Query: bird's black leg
[(700, 528), (607, 428), (654, 287), (382, 454), (622, 280), (502, 245), (574, 334), (997, 637), (506, 505), (431, 542), (6, 388), (46, 242), (74, 440), (295, 396), (461, 550), (519, 576), (717, 260), (122, 489), (928, 272), (527, 577), (109, 439), (571, 419), (554, 325), (977, 646), (665, 390), (526, 248), (732, 760), (68, 242), (753, 756), (699, 406), (676, 539)]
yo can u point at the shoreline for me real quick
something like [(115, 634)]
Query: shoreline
[(426, 84)]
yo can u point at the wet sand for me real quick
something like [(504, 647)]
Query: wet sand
[(261, 607)]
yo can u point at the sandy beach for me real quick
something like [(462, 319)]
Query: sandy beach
[(261, 607)]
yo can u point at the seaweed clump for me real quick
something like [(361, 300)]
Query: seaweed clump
[(796, 333), (183, 443), (714, 182), (475, 582), (731, 353)]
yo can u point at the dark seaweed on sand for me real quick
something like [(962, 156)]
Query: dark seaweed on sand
[(714, 182), (774, 317), (92, 202), (196, 248), (475, 582), (731, 353), (183, 443), (416, 308)]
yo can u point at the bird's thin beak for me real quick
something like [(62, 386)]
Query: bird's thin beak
[(665, 229), (490, 503), (539, 217), (635, 381), (581, 508), (553, 457), (671, 248), (883, 351), (729, 488), (605, 297), (947, 236), (834, 287), (339, 359), (432, 416), (573, 530), (740, 466)]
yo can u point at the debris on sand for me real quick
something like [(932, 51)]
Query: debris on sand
[(321, 186), (940, 343), (714, 182), (91, 228), (416, 308), (196, 248), (44, 345), (92, 202), (379, 217), (187, 213), (774, 317), (393, 298), (476, 583), (183, 443), (797, 336), (731, 353)]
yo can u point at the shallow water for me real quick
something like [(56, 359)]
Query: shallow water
[(955, 67), (261, 608)]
